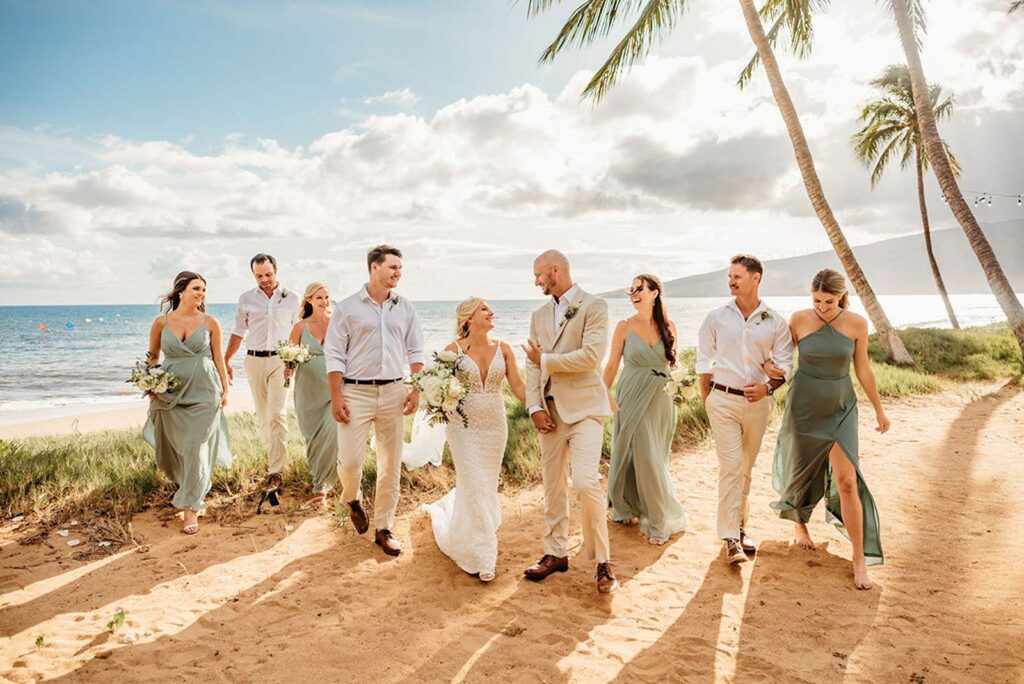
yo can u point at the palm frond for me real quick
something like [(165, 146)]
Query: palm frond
[(918, 17), (794, 18), (589, 22), (1014, 6), (657, 19)]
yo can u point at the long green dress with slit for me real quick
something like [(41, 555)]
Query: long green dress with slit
[(313, 410), (187, 427), (821, 409), (639, 484)]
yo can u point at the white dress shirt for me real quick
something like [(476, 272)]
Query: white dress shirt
[(264, 321), (367, 341), (733, 350)]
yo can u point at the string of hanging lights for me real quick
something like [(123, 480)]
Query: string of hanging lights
[(983, 198)]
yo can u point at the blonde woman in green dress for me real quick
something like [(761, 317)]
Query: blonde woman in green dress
[(640, 488), (186, 427), (313, 396), (817, 452)]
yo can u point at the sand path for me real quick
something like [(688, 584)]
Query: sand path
[(237, 604)]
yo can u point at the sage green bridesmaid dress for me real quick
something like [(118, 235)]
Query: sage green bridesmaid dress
[(313, 410), (821, 409), (187, 427), (639, 484)]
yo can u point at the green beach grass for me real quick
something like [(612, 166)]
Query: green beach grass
[(113, 474)]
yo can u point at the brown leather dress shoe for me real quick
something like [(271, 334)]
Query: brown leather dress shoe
[(747, 544), (358, 516), (606, 582), (545, 566), (272, 483), (385, 541), (735, 551)]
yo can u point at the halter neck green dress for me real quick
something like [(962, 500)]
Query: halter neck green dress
[(313, 410), (639, 483), (821, 409), (187, 427)]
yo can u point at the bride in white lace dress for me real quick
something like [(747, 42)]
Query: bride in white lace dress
[(466, 520)]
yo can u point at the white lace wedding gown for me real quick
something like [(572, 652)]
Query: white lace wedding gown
[(466, 519)]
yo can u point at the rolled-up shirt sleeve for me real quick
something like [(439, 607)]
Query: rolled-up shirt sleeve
[(241, 320), (782, 349), (336, 344), (706, 344), (414, 340)]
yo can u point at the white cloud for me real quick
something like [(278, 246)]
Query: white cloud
[(403, 98)]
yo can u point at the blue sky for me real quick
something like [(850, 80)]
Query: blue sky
[(141, 138)]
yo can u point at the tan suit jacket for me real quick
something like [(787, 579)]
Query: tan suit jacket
[(573, 353)]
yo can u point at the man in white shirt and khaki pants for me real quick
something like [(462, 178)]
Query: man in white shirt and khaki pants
[(265, 316), (734, 343), (371, 339)]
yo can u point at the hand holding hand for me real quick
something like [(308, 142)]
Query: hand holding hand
[(773, 371), (533, 352), (411, 403), (542, 421)]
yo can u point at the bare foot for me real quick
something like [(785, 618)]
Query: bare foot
[(860, 576), (627, 521), (802, 537), (190, 522), (655, 542)]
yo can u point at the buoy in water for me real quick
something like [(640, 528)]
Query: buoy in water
[(70, 325), (42, 326), (88, 320)]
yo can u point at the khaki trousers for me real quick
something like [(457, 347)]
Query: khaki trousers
[(381, 406), (738, 427), (574, 450), (266, 380)]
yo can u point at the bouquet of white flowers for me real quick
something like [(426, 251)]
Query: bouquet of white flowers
[(679, 384), (152, 379), (441, 391), (293, 355)]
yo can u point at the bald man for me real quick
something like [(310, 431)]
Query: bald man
[(568, 403)]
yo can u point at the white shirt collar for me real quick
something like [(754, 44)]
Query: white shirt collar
[(365, 294), (567, 296), (761, 306), (259, 291)]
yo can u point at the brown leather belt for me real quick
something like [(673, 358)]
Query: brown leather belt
[(727, 389)]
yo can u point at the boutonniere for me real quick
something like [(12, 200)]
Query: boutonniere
[(571, 311), (394, 302), (765, 315), (284, 293)]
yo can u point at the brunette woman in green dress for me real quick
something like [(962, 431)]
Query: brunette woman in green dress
[(817, 453), (186, 426)]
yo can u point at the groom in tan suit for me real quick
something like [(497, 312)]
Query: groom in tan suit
[(568, 403)]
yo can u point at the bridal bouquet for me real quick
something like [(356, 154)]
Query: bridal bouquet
[(679, 384), (441, 391), (152, 379), (293, 355)]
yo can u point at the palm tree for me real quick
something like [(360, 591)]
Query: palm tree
[(594, 19), (890, 130), (909, 15)]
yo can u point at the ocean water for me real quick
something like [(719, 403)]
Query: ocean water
[(86, 352)]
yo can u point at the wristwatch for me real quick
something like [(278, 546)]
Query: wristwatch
[(771, 390)]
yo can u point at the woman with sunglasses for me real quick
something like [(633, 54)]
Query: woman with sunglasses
[(640, 489)]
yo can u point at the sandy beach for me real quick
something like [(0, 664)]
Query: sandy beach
[(69, 420), (301, 596)]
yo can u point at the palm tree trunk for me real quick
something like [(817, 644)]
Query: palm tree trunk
[(891, 342), (928, 241), (947, 181)]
